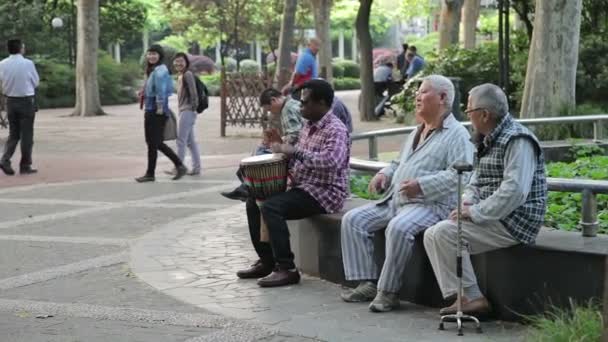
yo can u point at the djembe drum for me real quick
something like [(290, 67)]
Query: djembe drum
[(265, 175)]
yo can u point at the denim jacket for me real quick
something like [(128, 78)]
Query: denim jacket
[(158, 88)]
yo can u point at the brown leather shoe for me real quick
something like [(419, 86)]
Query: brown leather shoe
[(477, 307), (257, 270), (280, 277)]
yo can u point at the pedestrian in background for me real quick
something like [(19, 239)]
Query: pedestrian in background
[(19, 80)]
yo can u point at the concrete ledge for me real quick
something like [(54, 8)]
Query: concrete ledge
[(520, 280)]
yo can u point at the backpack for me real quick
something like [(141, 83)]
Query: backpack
[(202, 92)]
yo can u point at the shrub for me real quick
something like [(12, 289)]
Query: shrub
[(351, 69), (337, 69), (201, 64), (230, 64), (117, 82), (592, 70), (347, 83), (348, 68), (249, 66), (57, 84), (213, 83), (358, 186), (580, 323), (271, 68), (564, 208)]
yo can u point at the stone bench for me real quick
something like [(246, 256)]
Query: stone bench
[(520, 280)]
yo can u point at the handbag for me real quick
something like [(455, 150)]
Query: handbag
[(170, 132)]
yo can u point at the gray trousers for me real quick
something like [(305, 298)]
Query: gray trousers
[(440, 246), (402, 225), (186, 138), (20, 112)]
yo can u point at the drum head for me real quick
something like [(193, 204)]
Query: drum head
[(263, 159)]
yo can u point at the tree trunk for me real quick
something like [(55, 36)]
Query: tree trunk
[(366, 97), (322, 9), (283, 70), (551, 74), (470, 14), (449, 23), (87, 88)]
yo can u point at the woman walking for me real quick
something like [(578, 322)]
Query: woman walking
[(188, 101), (157, 88)]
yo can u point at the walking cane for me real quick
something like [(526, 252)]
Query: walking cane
[(459, 317)]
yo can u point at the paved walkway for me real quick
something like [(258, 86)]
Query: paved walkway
[(88, 254)]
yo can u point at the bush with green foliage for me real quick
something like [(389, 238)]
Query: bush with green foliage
[(213, 83), (117, 82), (581, 323), (564, 208), (230, 64), (249, 66), (271, 68), (349, 68), (337, 70), (592, 70), (358, 187), (347, 83)]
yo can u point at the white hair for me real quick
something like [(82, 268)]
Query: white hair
[(442, 84), (491, 98)]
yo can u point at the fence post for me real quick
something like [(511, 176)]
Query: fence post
[(223, 104), (598, 131), (589, 223), (373, 148)]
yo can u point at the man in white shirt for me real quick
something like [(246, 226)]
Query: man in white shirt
[(19, 80)]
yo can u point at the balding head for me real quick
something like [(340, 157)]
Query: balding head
[(491, 98)]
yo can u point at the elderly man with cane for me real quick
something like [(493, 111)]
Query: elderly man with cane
[(504, 203)]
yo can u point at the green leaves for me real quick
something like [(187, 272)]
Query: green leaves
[(564, 208), (358, 186)]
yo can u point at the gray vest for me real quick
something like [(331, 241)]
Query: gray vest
[(525, 222)]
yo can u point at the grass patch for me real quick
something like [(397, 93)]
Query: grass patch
[(580, 324)]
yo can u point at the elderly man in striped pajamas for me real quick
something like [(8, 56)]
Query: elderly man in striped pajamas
[(420, 190)]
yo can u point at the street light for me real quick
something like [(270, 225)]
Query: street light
[(57, 23)]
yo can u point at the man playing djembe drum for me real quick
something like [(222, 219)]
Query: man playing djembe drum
[(504, 203), (319, 176), (285, 126), (420, 190)]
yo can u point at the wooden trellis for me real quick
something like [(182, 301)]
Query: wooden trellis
[(240, 100)]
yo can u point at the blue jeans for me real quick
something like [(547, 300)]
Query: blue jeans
[(186, 138)]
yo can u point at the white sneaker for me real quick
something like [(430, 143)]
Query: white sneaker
[(365, 292), (385, 301)]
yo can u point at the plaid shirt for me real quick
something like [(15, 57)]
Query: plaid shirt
[(320, 165)]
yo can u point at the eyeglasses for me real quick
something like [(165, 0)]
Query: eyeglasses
[(469, 111)]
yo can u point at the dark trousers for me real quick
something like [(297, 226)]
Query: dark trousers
[(20, 112), (294, 204), (154, 129)]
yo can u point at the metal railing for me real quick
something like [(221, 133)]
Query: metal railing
[(589, 189), (598, 134)]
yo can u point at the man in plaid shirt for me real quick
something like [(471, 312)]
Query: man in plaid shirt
[(319, 174)]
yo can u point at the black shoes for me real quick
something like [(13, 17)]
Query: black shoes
[(8, 170), (256, 271), (180, 172), (240, 193), (144, 179), (27, 171)]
